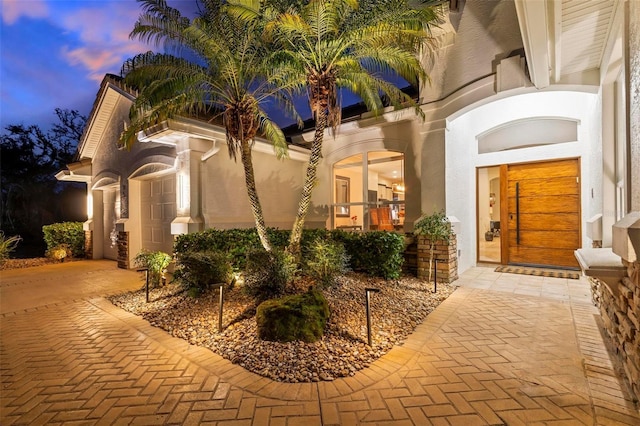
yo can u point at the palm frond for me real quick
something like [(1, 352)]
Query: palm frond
[(159, 24), (274, 134)]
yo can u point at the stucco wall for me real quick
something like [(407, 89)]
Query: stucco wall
[(484, 32), (225, 203)]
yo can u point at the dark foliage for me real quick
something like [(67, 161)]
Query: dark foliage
[(378, 253), (199, 270), (30, 195), (68, 234), (268, 273)]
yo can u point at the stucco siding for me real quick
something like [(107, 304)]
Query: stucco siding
[(225, 201), (485, 32)]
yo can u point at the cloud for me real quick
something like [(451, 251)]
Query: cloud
[(102, 30), (12, 10)]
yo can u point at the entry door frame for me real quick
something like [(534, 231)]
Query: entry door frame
[(504, 213)]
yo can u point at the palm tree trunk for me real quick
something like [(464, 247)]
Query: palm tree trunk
[(256, 208), (309, 184)]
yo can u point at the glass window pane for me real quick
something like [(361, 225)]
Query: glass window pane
[(371, 198), (386, 190)]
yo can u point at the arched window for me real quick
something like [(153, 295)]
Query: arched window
[(368, 191)]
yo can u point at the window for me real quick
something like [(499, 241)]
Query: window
[(369, 191), (342, 196)]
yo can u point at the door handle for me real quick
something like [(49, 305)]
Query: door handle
[(518, 213)]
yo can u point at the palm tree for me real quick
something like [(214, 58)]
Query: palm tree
[(330, 45), (218, 66)]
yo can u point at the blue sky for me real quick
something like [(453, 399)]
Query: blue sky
[(54, 53)]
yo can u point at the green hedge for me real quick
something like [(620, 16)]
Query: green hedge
[(378, 253), (70, 234)]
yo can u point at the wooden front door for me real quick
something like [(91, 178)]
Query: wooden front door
[(543, 213)]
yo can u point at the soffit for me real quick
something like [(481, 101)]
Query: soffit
[(569, 38), (584, 30)]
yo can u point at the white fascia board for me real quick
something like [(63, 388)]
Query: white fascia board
[(172, 131), (534, 28)]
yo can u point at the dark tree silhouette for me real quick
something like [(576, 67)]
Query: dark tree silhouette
[(30, 194)]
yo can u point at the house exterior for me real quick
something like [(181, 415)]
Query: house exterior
[(530, 143), (525, 141)]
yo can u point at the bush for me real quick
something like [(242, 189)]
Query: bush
[(157, 263), (239, 242), (378, 253), (199, 270), (268, 273), (383, 261), (7, 245), (236, 242), (70, 234), (298, 317), (325, 260)]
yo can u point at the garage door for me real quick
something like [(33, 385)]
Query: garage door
[(158, 209)]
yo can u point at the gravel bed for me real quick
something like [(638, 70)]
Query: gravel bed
[(395, 312), (27, 263)]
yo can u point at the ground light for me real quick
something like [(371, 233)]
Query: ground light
[(368, 292)]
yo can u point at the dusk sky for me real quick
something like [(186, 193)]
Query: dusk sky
[(54, 53)]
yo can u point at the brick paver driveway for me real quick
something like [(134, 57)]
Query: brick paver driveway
[(503, 349)]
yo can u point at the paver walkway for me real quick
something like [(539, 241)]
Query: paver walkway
[(503, 349)]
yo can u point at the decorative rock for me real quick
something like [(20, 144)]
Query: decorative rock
[(395, 312)]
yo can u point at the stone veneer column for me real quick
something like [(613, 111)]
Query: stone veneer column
[(88, 244), (445, 254), (123, 249)]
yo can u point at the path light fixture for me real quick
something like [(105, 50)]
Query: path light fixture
[(435, 275), (146, 272), (368, 292), (221, 287)]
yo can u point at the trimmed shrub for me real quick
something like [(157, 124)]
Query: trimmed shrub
[(268, 273), (325, 260), (378, 253), (7, 245), (383, 261), (199, 270), (240, 242), (236, 242), (157, 263), (298, 317), (70, 234)]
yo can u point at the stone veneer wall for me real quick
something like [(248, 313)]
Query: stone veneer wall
[(446, 255), (88, 244), (620, 309), (123, 250)]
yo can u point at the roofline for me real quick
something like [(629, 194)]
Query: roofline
[(109, 81)]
